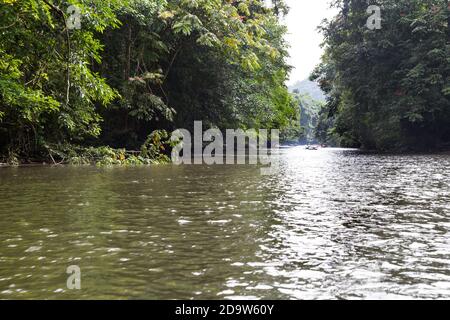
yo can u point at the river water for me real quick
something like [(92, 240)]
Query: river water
[(332, 224)]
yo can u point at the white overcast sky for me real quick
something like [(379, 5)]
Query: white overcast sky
[(303, 37)]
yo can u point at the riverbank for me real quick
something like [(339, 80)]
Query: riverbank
[(153, 151), (150, 153), (125, 158)]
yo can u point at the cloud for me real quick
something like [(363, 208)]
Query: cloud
[(304, 18)]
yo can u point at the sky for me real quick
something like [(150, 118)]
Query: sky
[(303, 37)]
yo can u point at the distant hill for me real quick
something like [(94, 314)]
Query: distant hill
[(310, 88)]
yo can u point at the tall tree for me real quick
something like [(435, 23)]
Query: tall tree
[(389, 88), (48, 91)]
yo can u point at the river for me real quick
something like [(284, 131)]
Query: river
[(331, 224)]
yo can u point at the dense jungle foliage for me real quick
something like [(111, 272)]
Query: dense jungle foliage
[(135, 67), (388, 88)]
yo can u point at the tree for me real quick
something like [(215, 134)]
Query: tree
[(176, 62), (388, 88), (136, 66), (48, 91)]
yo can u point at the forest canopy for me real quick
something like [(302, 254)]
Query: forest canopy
[(388, 88), (135, 66)]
